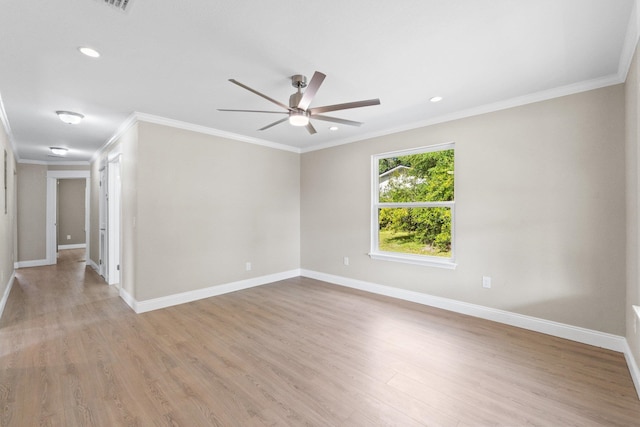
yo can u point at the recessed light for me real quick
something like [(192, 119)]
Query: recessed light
[(436, 99), (91, 53), (70, 117), (58, 151), (333, 128)]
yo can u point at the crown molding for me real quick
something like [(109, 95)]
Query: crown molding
[(124, 127), (7, 128), (484, 109), (630, 42), (211, 131), (39, 162), (136, 117)]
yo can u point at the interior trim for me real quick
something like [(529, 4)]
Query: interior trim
[(630, 42), (75, 246), (92, 264), (211, 131), (561, 330), (633, 367), (7, 291), (198, 294), (31, 263), (556, 329), (545, 95)]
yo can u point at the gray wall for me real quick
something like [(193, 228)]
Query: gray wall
[(206, 206), (540, 207), (32, 212), (633, 212), (196, 208), (8, 219), (71, 211), (32, 209)]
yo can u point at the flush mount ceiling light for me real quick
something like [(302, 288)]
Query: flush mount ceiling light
[(70, 117), (91, 53), (58, 151), (436, 99), (333, 128)]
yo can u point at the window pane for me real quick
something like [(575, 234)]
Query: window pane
[(419, 231), (424, 177)]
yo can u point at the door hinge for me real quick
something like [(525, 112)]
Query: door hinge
[(118, 267)]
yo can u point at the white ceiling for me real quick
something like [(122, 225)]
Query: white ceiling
[(172, 60)]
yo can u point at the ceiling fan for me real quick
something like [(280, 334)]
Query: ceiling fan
[(298, 110)]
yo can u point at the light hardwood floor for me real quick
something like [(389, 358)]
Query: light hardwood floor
[(296, 352)]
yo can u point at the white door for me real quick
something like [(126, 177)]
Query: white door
[(113, 224), (52, 220), (102, 220)]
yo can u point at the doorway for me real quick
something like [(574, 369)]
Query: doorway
[(52, 208), (70, 214)]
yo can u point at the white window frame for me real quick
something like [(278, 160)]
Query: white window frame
[(376, 205)]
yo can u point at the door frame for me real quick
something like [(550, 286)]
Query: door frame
[(52, 201), (114, 214), (103, 218)]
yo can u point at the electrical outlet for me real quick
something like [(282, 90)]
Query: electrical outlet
[(346, 260), (486, 282), (68, 236), (248, 266)]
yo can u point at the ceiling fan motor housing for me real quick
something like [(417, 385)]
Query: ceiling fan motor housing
[(294, 99), (299, 81)]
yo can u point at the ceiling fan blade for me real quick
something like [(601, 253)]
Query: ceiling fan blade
[(274, 123), (259, 94), (311, 129), (344, 106), (253, 111), (310, 91), (336, 120)]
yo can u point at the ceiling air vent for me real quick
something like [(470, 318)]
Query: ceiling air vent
[(119, 4)]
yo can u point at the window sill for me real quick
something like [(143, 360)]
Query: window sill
[(414, 259)]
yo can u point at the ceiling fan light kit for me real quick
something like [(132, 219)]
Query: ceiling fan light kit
[(299, 110), (298, 118)]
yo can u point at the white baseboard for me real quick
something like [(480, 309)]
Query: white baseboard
[(32, 263), (184, 297), (131, 301), (7, 291), (92, 264), (561, 330), (574, 333), (633, 367), (76, 246)]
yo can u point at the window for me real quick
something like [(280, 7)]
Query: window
[(413, 206)]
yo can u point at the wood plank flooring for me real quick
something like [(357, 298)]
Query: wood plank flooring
[(292, 353)]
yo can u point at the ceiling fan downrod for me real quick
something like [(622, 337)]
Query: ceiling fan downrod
[(298, 81)]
